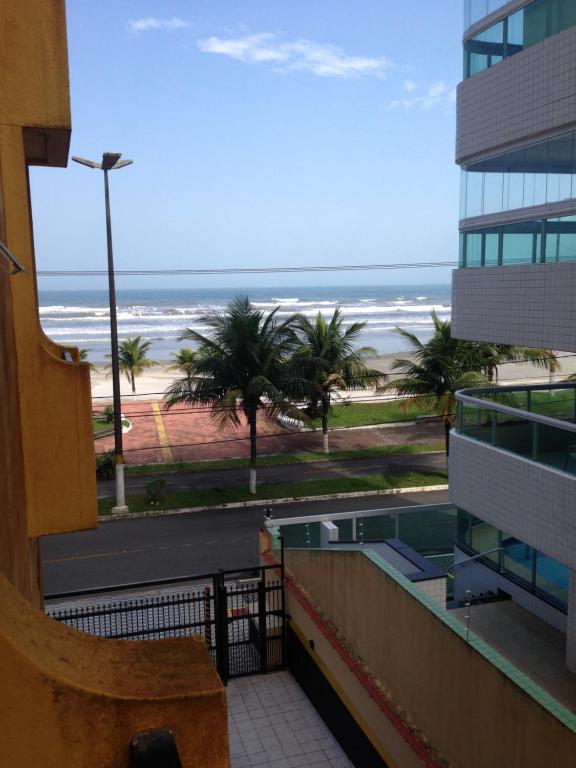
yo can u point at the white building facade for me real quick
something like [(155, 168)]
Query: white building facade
[(513, 453)]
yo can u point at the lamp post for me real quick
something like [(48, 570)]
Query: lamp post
[(110, 162)]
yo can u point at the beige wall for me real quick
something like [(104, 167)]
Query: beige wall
[(472, 714)]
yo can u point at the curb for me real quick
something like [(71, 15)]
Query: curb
[(270, 502)]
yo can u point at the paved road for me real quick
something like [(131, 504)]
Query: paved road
[(163, 547), (285, 473)]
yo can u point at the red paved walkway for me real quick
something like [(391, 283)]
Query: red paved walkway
[(192, 436)]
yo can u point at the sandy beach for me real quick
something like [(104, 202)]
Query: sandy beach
[(153, 383)]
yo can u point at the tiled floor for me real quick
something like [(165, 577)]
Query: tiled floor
[(273, 725)]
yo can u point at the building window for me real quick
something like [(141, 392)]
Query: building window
[(530, 25), (541, 173), (541, 574), (526, 242)]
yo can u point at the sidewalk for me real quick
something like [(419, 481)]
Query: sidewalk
[(184, 433)]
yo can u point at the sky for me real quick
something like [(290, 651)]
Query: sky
[(263, 133)]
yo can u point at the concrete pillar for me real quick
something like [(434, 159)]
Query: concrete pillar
[(328, 534), (571, 624)]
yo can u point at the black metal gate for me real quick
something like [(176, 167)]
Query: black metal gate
[(240, 615)]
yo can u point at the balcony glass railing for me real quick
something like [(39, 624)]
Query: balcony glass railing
[(536, 422), (428, 529)]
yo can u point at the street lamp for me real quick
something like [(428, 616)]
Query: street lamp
[(110, 162)]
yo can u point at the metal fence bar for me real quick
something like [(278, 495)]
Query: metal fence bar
[(241, 621)]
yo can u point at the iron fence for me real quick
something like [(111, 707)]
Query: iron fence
[(240, 615)]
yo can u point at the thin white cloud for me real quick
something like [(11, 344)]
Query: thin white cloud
[(151, 23), (437, 94), (296, 55), (409, 86)]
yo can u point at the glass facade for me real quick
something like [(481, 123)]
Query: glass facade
[(554, 446), (542, 241), (475, 10), (540, 173), (525, 565), (526, 27)]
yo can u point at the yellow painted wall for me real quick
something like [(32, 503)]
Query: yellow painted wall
[(472, 714), (67, 699), (54, 394), (71, 700)]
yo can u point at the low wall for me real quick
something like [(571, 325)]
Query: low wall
[(462, 698)]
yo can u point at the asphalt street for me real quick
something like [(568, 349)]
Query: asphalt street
[(284, 473), (128, 551)]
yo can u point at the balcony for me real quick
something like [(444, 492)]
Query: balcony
[(513, 463)]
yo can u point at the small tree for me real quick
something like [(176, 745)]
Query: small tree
[(241, 367), (133, 358), (437, 370), (327, 362), (183, 361)]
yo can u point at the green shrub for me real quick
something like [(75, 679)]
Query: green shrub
[(154, 492), (109, 413), (105, 466)]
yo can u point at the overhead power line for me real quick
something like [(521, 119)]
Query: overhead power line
[(246, 270)]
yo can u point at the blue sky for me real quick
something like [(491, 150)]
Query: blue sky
[(263, 132)]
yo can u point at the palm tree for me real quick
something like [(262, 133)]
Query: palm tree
[(326, 362), (83, 358), (132, 358), (436, 370), (239, 368), (490, 356), (184, 361)]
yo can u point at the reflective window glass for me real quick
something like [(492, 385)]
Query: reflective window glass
[(463, 527), (535, 22), (517, 248), (515, 33), (484, 538), (562, 15), (473, 250), (485, 50), (474, 194), (552, 577), (517, 558), (493, 192), (491, 243)]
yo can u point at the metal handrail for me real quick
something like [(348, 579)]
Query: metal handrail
[(16, 266), (467, 396), (279, 522)]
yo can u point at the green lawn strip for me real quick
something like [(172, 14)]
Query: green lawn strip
[(289, 458), (101, 425), (217, 496), (365, 414)]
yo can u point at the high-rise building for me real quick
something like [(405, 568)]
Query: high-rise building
[(513, 453)]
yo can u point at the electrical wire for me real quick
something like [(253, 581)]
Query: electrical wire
[(245, 270)]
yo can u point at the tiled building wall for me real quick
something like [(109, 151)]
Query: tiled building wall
[(529, 305), (480, 580), (525, 97), (533, 502), (434, 588)]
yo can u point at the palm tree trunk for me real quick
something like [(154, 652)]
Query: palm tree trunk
[(253, 451), (325, 444), (447, 428), (133, 382)]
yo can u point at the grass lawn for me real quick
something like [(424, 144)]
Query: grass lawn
[(364, 414), (216, 496), (289, 458), (101, 425)]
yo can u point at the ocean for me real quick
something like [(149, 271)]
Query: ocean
[(81, 317)]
